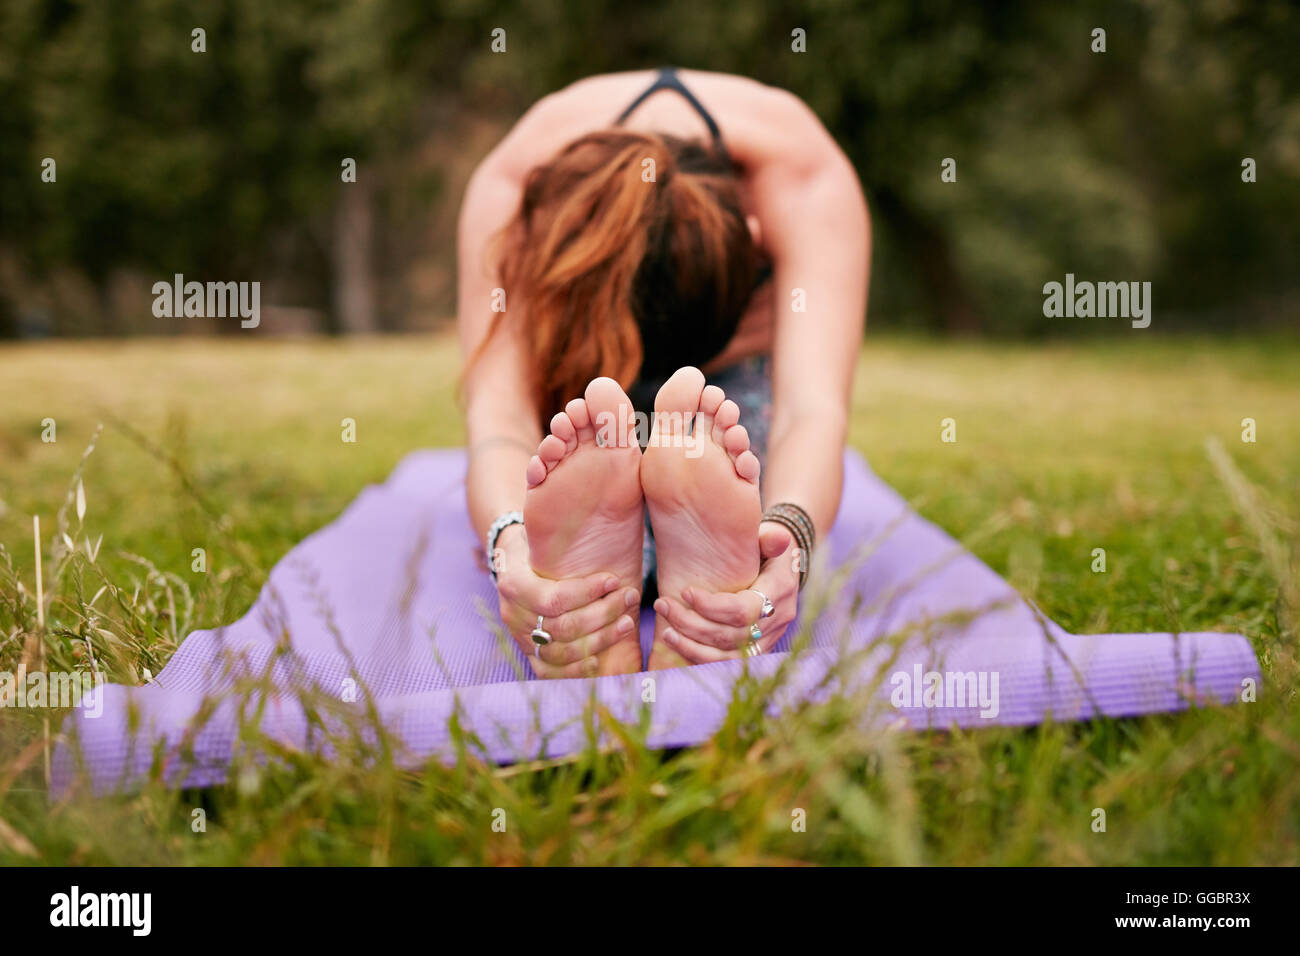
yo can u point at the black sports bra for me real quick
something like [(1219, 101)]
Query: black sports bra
[(669, 80)]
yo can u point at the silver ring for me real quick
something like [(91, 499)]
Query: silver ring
[(755, 634), (752, 649), (768, 607), (539, 636)]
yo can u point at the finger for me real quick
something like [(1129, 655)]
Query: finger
[(693, 651), (592, 617), (553, 598), (571, 652), (698, 628), (516, 625), (519, 625), (721, 607), (773, 539), (587, 667), (698, 653)]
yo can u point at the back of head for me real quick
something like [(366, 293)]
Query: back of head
[(629, 257)]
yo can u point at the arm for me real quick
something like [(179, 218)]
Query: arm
[(815, 226), (503, 433), (500, 417)]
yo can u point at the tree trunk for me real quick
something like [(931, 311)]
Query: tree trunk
[(951, 304), (353, 280)]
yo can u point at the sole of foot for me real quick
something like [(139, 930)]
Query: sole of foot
[(584, 511), (701, 485)]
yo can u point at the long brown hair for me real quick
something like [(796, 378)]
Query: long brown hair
[(629, 256)]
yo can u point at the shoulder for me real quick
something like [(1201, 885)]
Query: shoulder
[(762, 124), (591, 103)]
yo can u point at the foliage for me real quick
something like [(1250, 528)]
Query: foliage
[(1118, 165)]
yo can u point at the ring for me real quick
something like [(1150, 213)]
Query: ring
[(768, 607), (539, 636), (752, 649), (755, 634)]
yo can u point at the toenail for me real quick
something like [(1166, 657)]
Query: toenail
[(625, 625), (631, 598)]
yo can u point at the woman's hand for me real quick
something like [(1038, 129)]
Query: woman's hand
[(583, 615), (708, 626)]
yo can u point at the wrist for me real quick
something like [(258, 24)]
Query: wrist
[(497, 538), (801, 529), (512, 539)]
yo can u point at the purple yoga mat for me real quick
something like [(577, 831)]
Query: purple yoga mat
[(394, 596)]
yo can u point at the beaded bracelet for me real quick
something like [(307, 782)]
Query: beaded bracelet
[(795, 520), (494, 532)]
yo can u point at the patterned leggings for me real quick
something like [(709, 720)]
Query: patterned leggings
[(747, 383)]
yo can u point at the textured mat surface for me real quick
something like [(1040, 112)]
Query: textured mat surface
[(393, 598)]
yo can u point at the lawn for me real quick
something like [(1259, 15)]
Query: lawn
[(1133, 444)]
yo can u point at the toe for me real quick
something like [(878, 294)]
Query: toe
[(562, 427), (677, 401), (611, 413), (536, 471), (747, 466), (577, 412), (551, 450), (727, 415), (735, 440), (710, 401)]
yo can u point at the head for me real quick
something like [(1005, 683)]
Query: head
[(630, 256)]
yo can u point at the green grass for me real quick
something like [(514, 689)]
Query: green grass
[(234, 446)]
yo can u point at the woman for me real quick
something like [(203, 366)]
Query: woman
[(672, 239)]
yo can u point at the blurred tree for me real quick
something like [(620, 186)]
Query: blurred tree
[(227, 164), (175, 160)]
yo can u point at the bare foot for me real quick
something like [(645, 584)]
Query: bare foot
[(583, 512), (701, 485)]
